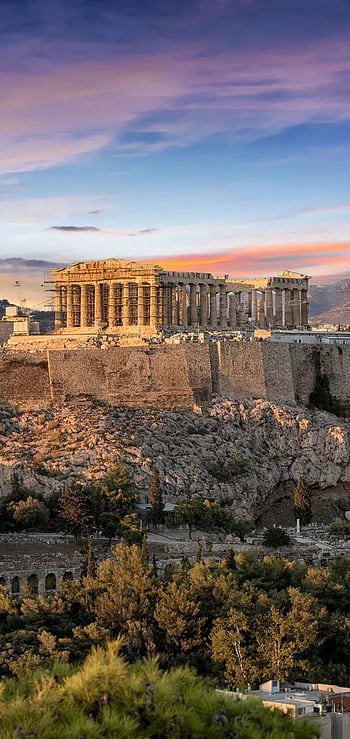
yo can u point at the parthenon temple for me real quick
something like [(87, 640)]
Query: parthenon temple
[(144, 299)]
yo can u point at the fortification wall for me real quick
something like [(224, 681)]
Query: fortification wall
[(167, 376), (304, 362), (278, 373), (238, 369), (24, 379), (176, 376), (335, 363), (253, 369)]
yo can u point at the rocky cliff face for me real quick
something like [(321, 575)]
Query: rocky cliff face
[(241, 451)]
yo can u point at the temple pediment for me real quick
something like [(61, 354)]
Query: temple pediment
[(107, 264)]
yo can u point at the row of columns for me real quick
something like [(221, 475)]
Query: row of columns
[(277, 307), (192, 304), (128, 304)]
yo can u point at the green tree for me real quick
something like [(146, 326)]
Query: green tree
[(192, 514), (74, 512), (340, 529), (241, 527), (178, 615), (156, 498), (110, 525), (285, 638), (108, 697), (29, 512), (126, 603), (120, 491), (129, 529), (89, 568), (230, 645), (276, 537), (302, 501)]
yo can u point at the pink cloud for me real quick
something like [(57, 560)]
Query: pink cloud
[(313, 258), (51, 114)]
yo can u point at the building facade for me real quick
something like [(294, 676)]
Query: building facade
[(131, 297)]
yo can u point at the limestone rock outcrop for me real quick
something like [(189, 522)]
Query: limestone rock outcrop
[(235, 451)]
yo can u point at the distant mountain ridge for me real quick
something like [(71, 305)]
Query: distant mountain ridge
[(330, 303), (19, 264)]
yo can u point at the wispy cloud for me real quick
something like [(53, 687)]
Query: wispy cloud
[(40, 210), (74, 228), (323, 210), (311, 257), (207, 228), (52, 114)]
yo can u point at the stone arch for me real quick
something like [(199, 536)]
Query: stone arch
[(3, 582), (15, 585), (67, 576), (50, 581), (33, 583)]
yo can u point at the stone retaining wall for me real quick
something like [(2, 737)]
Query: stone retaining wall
[(179, 376)]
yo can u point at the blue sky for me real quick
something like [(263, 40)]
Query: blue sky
[(208, 134)]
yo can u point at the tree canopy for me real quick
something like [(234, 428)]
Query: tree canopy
[(107, 697)]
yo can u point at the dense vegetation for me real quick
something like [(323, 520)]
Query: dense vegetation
[(107, 697), (108, 505), (238, 622), (242, 620)]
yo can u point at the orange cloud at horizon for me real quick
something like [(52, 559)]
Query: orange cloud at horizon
[(331, 257)]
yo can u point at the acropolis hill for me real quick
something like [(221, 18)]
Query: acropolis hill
[(71, 405), (135, 303)]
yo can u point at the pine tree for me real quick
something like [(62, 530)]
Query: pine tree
[(108, 697), (156, 498), (74, 511), (89, 568), (302, 501)]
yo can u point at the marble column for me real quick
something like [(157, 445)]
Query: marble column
[(111, 306), (98, 306), (58, 307), (304, 308), (125, 305), (223, 306), (193, 304), (165, 321), (83, 306), (278, 317), (213, 308), (69, 321), (261, 312), (296, 305), (249, 296), (268, 307), (140, 306), (203, 306), (175, 306), (232, 310), (153, 313), (288, 309), (253, 307), (183, 306)]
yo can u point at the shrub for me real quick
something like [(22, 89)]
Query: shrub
[(275, 537)]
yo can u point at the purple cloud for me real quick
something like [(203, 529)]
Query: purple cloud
[(73, 228)]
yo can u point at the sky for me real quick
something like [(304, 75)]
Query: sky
[(203, 134)]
